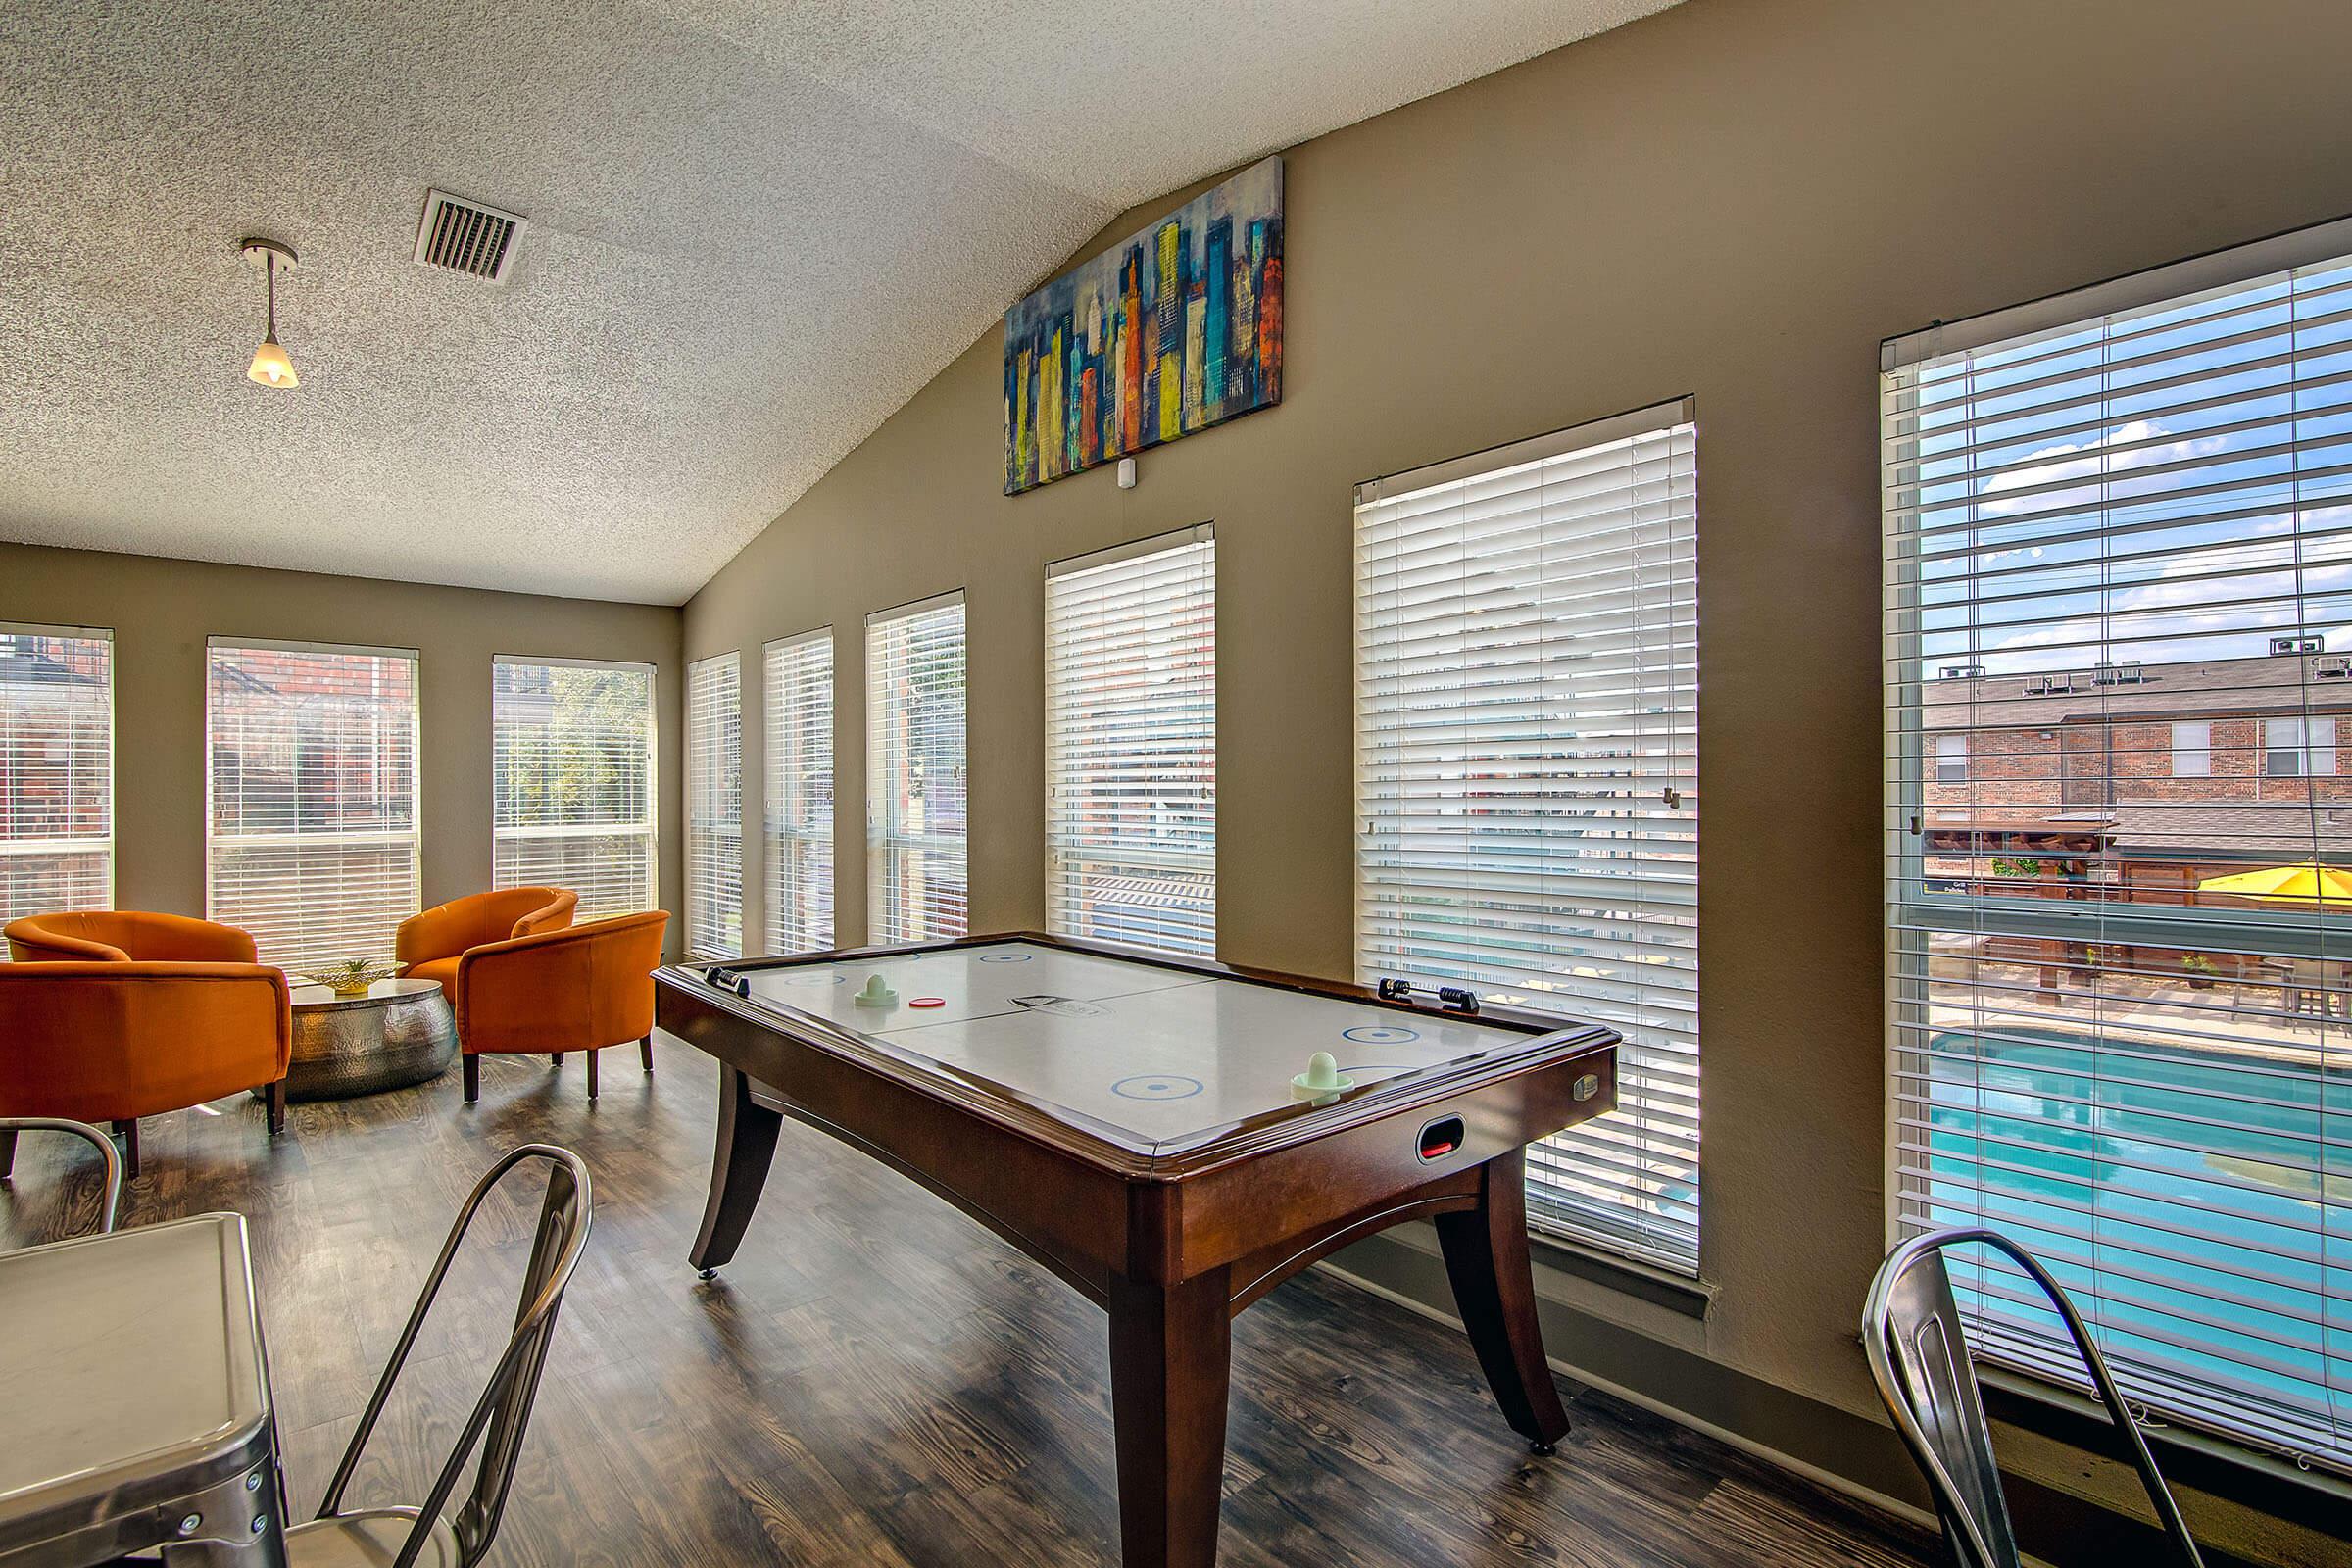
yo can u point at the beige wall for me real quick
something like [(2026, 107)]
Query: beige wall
[(1736, 199), (160, 612)]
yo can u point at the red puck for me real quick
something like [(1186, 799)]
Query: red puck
[(928, 1002)]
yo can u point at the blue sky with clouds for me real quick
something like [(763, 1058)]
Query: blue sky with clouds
[(2165, 485)]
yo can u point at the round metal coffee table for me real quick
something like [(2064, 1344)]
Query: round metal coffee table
[(401, 1032)]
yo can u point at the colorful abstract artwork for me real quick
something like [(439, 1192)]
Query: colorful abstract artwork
[(1175, 330)]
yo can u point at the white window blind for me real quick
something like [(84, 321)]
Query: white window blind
[(1527, 739), (57, 770), (799, 792), (2119, 541), (311, 820), (1131, 744), (714, 807), (571, 760), (915, 772)]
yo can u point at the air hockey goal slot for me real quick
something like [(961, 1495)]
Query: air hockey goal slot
[(1441, 1138)]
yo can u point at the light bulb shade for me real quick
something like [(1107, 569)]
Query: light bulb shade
[(270, 367)]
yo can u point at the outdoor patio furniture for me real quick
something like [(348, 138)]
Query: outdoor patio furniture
[(2315, 986)]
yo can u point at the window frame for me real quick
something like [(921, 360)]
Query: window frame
[(772, 790), (691, 937), (213, 910), (2308, 754), (880, 838), (1633, 1241), (1906, 763), (1063, 858), (105, 848), (2201, 750), (650, 828)]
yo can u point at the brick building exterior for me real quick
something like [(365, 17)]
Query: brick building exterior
[(2133, 785)]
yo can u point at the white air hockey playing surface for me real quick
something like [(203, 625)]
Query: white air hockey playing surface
[(1164, 1057)]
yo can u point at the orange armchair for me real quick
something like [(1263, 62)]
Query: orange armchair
[(114, 1040), (125, 936), (431, 944), (581, 988)]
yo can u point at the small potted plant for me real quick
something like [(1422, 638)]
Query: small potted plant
[(2201, 971), (353, 976)]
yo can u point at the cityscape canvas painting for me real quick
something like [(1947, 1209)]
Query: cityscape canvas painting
[(1175, 330)]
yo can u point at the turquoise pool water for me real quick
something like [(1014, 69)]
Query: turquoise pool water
[(2219, 1200)]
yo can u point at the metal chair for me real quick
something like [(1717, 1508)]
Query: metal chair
[(112, 1199), (1912, 1334), (401, 1536)]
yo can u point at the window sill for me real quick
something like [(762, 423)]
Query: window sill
[(1677, 1292), (2189, 1459)]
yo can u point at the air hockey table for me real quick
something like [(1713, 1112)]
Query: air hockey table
[(1137, 1125)]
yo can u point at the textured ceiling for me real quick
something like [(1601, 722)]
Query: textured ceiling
[(756, 228)]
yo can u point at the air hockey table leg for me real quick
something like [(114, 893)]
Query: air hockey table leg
[(1170, 1374), (747, 1144), (1494, 1287)]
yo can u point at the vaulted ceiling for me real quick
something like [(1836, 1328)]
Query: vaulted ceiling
[(755, 228)]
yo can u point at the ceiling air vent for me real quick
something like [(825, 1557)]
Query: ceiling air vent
[(466, 236)]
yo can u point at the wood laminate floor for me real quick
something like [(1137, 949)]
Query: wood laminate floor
[(876, 1379)]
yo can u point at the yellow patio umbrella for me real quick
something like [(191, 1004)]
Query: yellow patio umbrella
[(2310, 883)]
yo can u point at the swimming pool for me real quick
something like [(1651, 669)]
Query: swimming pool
[(2198, 1206)]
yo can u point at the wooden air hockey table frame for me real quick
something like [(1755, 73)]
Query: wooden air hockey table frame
[(1172, 1246)]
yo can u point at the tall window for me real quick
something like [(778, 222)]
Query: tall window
[(571, 795), (2117, 999), (57, 770), (1131, 744), (914, 763), (714, 807), (1527, 778), (1952, 759), (800, 792), (311, 820)]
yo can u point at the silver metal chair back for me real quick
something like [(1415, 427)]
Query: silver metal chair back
[(110, 1198), (1918, 1357), (503, 1409)]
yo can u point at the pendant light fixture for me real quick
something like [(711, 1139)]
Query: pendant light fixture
[(270, 367)]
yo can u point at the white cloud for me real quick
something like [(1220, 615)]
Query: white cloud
[(2105, 458)]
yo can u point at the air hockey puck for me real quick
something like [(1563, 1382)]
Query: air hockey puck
[(928, 1002)]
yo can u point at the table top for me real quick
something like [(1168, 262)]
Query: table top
[(130, 1360), (1156, 1058), (376, 995)]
